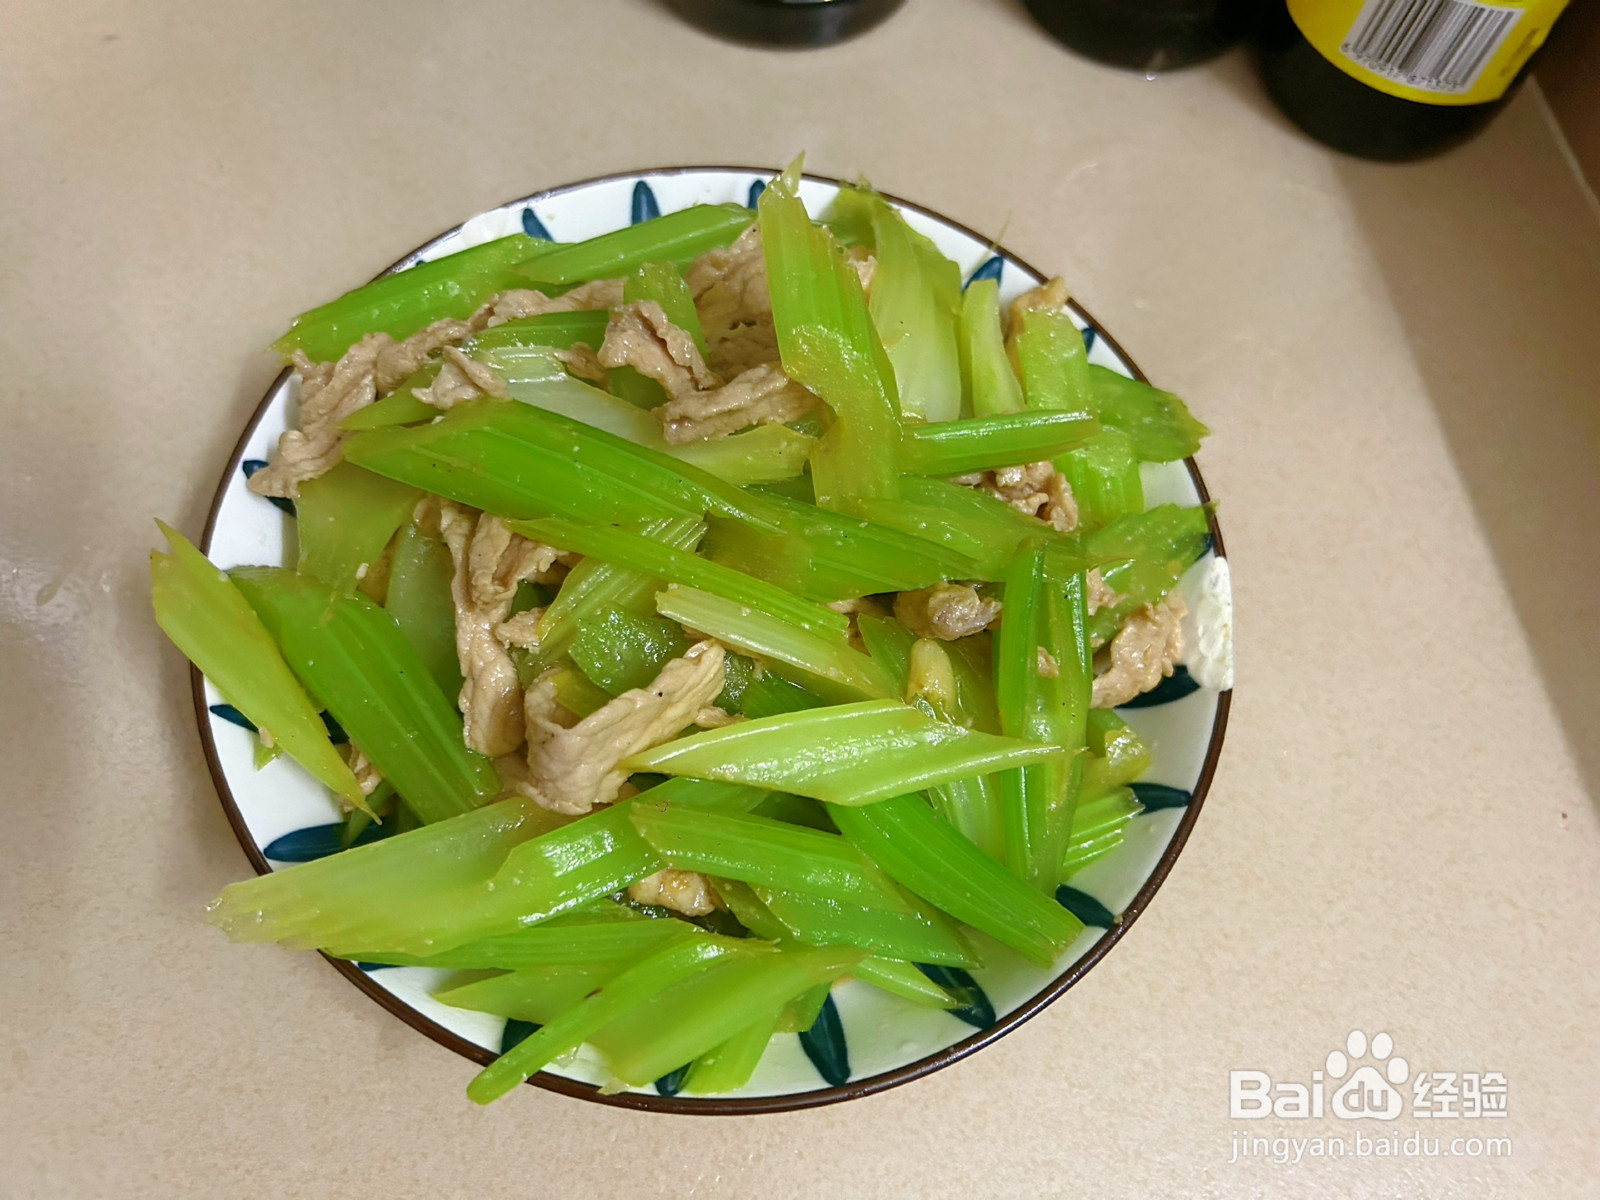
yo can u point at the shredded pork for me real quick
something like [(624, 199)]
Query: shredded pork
[(1037, 489), (946, 611), (687, 892), (461, 379), (529, 302), (1098, 594), (573, 767), (1146, 648)]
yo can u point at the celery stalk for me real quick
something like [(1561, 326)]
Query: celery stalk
[(827, 665), (605, 932), (846, 754), (402, 303), (690, 1018), (765, 454), (916, 292), (728, 1066), (353, 658), (620, 650), (800, 1013), (923, 853), (1104, 476), (536, 994), (1051, 360), (574, 1027), (676, 238), (1143, 556), (592, 587), (1118, 754), (889, 643), (827, 342), (577, 693), (650, 557), (1099, 826), (1160, 424), (399, 407), (971, 806), (419, 601), (902, 979), (563, 330), (754, 691), (979, 444), (925, 936), (989, 385), (207, 617), (346, 518), (663, 283)]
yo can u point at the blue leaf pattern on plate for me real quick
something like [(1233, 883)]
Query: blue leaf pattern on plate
[(250, 466), (1085, 907), (316, 841), (369, 968), (756, 189), (233, 716), (671, 1083), (515, 1033), (1174, 687), (1157, 796), (336, 733), (533, 227), (1089, 335), (975, 1007), (825, 1046), (991, 269), (645, 207)]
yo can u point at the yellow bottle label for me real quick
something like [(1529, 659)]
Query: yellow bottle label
[(1432, 51)]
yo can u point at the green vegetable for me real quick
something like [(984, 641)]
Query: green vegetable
[(924, 853), (801, 1013), (354, 659), (982, 443), (824, 664), (663, 283), (1104, 477), (989, 386), (765, 454), (676, 238), (620, 650), (729, 1066), (1051, 361), (972, 806), (923, 936), (1147, 554), (845, 754), (204, 614), (649, 557), (562, 330), (346, 518), (419, 601), (1159, 423), (889, 643), (753, 691), (399, 407), (539, 994), (903, 979), (402, 303), (604, 932), (916, 292), (1120, 755), (577, 693), (827, 342), (1042, 612), (1098, 826)]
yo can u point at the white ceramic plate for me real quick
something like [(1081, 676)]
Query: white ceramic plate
[(866, 1040)]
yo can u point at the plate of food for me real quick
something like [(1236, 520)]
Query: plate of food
[(706, 639)]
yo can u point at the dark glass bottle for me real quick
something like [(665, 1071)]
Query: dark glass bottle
[(1145, 35), (1354, 114), (785, 22)]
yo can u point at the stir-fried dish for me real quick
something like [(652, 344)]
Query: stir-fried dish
[(689, 618)]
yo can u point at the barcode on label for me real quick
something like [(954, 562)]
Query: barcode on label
[(1434, 45)]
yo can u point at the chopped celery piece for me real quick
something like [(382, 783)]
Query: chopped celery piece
[(1160, 424), (399, 407), (207, 617), (845, 754), (825, 664), (353, 658), (1119, 754), (922, 852), (924, 936), (889, 643), (765, 454), (562, 330), (766, 853), (1050, 358), (801, 1013), (515, 460), (592, 587), (419, 601), (636, 390), (677, 238), (606, 932), (1104, 477), (663, 283), (1165, 534), (766, 694), (972, 806), (402, 303), (577, 693), (979, 444), (690, 1018), (827, 342), (567, 1032), (415, 893), (1098, 827), (346, 517), (1042, 613), (903, 979), (620, 650), (989, 386), (916, 292), (728, 1066), (652, 558), (537, 994), (749, 911), (973, 660)]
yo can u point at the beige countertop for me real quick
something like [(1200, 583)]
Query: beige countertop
[(1401, 368)]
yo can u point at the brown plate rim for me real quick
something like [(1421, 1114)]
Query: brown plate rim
[(752, 1105)]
